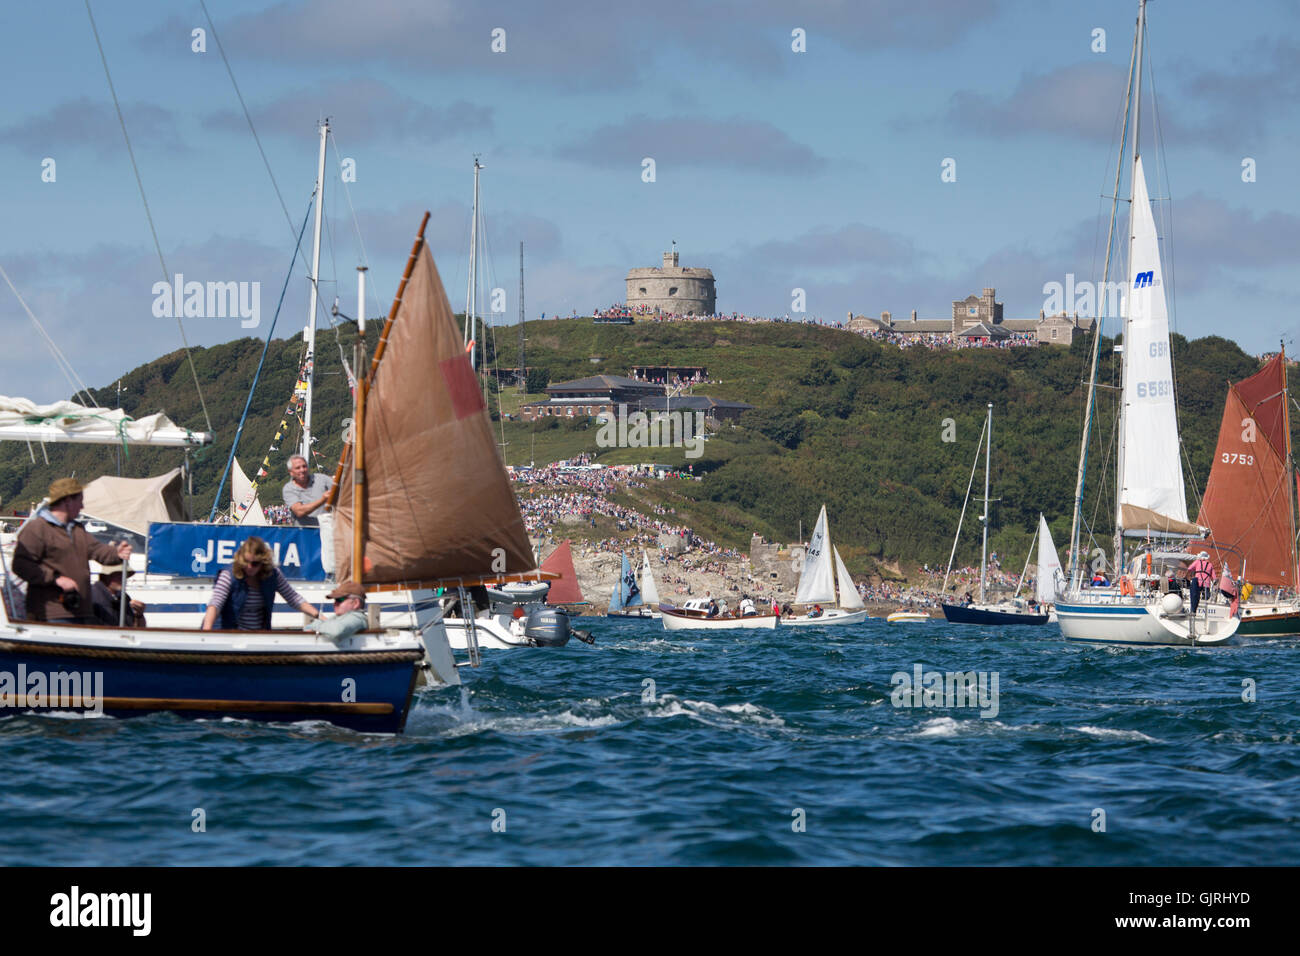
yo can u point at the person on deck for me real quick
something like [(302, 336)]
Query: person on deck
[(349, 612), (53, 555), (106, 597), (245, 592), (305, 493), (1201, 573)]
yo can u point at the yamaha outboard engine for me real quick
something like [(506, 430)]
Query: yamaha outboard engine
[(547, 626)]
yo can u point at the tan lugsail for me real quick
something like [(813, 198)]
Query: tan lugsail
[(1247, 504), (438, 504)]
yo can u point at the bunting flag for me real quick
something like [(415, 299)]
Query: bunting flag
[(292, 412)]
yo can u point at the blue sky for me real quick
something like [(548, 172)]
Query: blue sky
[(778, 170)]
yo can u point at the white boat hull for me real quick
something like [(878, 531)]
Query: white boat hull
[(907, 617), (682, 622), (1129, 622), (832, 618)]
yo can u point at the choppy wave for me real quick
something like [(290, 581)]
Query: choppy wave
[(717, 748)]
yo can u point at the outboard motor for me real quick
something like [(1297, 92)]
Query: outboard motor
[(547, 626)]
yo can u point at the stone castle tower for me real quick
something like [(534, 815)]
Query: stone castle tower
[(672, 289)]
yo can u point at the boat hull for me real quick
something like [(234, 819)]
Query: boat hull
[(366, 690), (678, 621), (1269, 621), (967, 614), (832, 618), (1142, 624), (908, 617)]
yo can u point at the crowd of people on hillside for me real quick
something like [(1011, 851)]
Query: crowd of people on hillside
[(940, 341)]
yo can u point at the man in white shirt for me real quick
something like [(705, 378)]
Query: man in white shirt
[(305, 493)]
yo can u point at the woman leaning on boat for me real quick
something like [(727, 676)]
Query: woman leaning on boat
[(245, 593)]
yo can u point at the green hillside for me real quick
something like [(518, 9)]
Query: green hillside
[(842, 420)]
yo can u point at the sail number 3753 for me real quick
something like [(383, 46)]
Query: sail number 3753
[(1233, 458)]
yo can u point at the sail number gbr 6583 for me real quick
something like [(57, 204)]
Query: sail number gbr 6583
[(1233, 458), (1155, 389)]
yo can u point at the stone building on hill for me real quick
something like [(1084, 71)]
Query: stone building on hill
[(672, 289), (978, 316)]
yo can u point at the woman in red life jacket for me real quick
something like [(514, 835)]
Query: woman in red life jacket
[(1201, 573)]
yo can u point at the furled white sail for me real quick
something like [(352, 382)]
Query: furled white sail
[(1051, 580), (850, 599), (817, 582), (245, 506), (1152, 471), (649, 591), (24, 420)]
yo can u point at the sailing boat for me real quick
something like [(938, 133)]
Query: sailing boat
[(565, 589), (626, 601), (1249, 505), (1150, 496), (631, 599), (979, 612), (411, 530), (823, 570)]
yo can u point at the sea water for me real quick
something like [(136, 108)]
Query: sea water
[(874, 744)]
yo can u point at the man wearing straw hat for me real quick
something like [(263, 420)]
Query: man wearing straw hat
[(53, 556)]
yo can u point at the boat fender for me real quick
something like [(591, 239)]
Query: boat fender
[(1171, 603), (1126, 587)]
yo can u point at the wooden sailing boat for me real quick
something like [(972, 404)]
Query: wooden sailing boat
[(1250, 500), (823, 570), (422, 450)]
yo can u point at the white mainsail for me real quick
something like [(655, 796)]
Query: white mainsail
[(1152, 470), (649, 592), (817, 582), (1050, 579), (850, 599), (245, 506)]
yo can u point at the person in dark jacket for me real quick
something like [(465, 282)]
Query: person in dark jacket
[(106, 597), (53, 555), (245, 592)]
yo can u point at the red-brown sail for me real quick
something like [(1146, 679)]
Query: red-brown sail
[(438, 503), (1247, 503), (565, 590)]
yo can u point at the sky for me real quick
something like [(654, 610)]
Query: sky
[(820, 169)]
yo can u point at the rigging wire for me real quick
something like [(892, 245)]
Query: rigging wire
[(234, 445), (248, 117), (78, 386), (148, 215)]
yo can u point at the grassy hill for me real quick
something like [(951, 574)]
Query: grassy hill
[(853, 423)]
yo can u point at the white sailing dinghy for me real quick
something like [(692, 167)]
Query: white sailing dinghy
[(823, 569), (1151, 500), (649, 590)]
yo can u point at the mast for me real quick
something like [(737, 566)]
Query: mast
[(359, 435), (1075, 531), (471, 295), (523, 364), (1293, 503), (309, 335), (1124, 356), (984, 547)]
